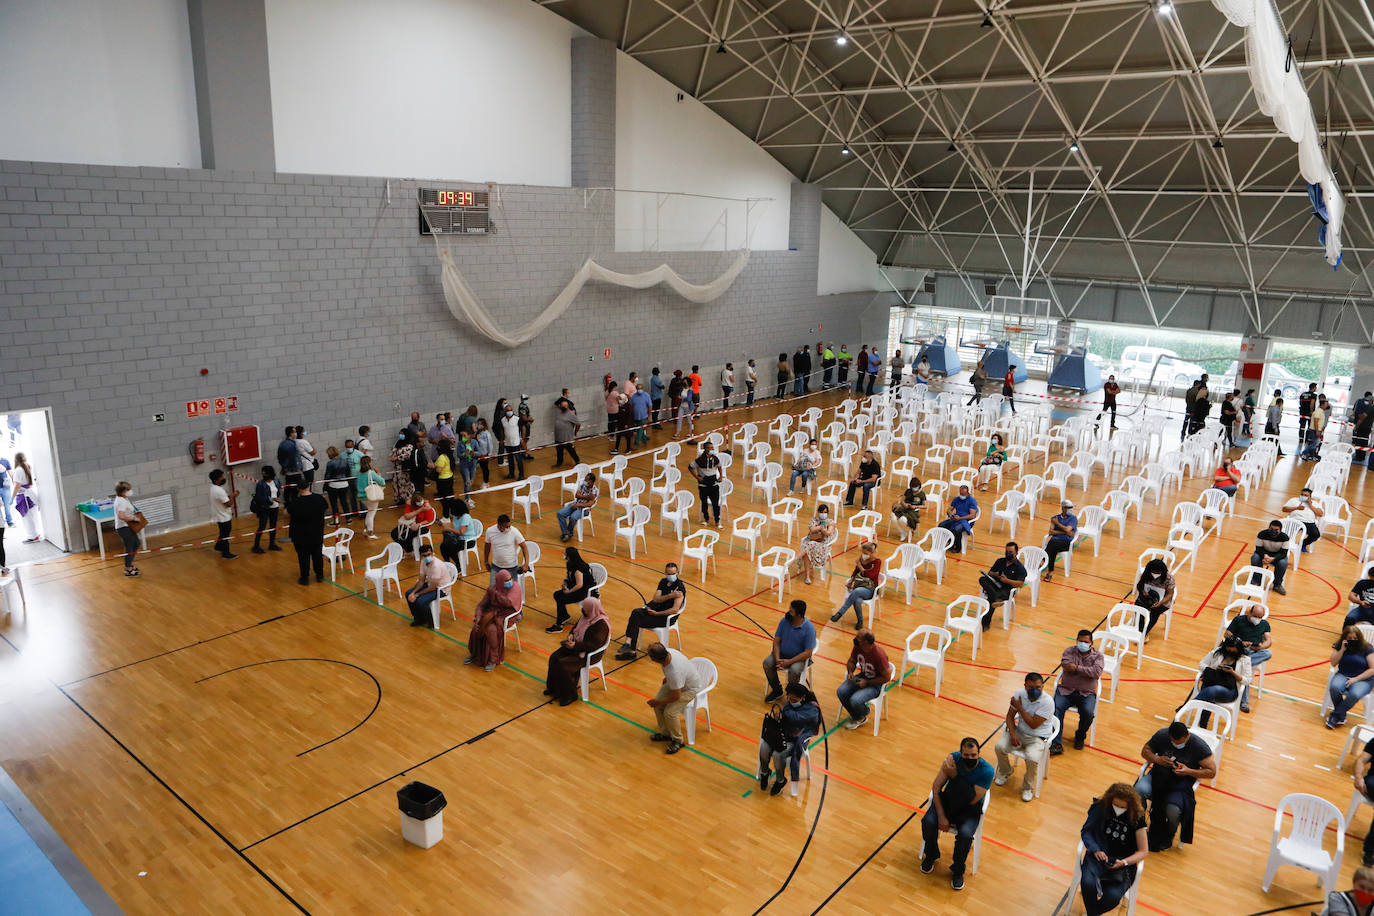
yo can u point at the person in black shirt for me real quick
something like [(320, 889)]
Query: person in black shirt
[(666, 602), (1362, 415), (576, 586), (307, 532), (1361, 601), (1006, 576), (1197, 413), (870, 472), (1306, 401), (1364, 784), (1271, 552), (706, 469), (1178, 759), (1110, 389), (1229, 412), (1114, 842)]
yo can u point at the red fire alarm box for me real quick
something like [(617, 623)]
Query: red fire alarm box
[(240, 445)]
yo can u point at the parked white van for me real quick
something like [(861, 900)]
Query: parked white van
[(1137, 362)]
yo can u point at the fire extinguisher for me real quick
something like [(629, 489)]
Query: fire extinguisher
[(198, 451)]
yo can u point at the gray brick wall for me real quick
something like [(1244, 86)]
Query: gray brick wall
[(593, 113), (314, 300)]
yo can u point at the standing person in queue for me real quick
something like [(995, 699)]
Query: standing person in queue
[(222, 512), (307, 532), (266, 505)]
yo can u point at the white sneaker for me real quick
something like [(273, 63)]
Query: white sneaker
[(1000, 780), (1027, 794), (856, 723)]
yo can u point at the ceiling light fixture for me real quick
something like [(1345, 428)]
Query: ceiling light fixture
[(987, 21), (844, 150), (721, 49), (952, 148), (1165, 7), (841, 39), (1073, 146), (1217, 144)]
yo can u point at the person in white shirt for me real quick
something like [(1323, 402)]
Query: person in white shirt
[(124, 513), (221, 512), (751, 379), (1028, 727), (510, 444), (364, 444), (727, 383), (1304, 509), (26, 497), (505, 549), (681, 684), (805, 467), (306, 451)]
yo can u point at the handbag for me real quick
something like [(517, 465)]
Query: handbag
[(373, 492), (1213, 677), (138, 523), (863, 582), (771, 732)]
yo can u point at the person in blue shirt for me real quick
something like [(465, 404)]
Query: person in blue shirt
[(957, 807), (640, 406), (656, 396), (800, 720), (962, 513), (1063, 530), (794, 641), (288, 459)]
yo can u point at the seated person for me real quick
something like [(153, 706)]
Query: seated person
[(1226, 478), (794, 642), (1361, 600), (1115, 840), (571, 513), (908, 508), (861, 585), (956, 807), (577, 584), (418, 516), (1255, 635), (1354, 902), (1271, 552), (1224, 673), (962, 513), (1027, 727), (1063, 531), (487, 640), (1006, 576), (460, 531), (1154, 591), (1350, 682), (425, 591), (666, 602), (805, 467), (799, 720), (866, 671), (814, 555), (870, 472), (1305, 509), (1178, 759), (987, 468), (581, 648)]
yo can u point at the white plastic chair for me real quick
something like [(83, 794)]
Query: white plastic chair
[(934, 546), (748, 527), (774, 563), (1358, 736), (571, 480), (599, 578), (1216, 505), (862, 525), (937, 455), (1057, 478), (930, 654), (831, 493), (767, 481), (877, 707), (1036, 561), (902, 470), (665, 633), (1090, 523), (900, 568), (744, 437), (1244, 586), (1117, 506), (664, 484), (1033, 485), (1044, 770), (526, 494), (339, 550), (677, 510), (964, 445), (667, 457), (584, 679), (1129, 898), (444, 592), (1129, 621), (701, 546), (534, 553), (963, 477), (626, 496), (1113, 648), (512, 625), (1214, 733), (842, 455), (1337, 516), (387, 571), (785, 511), (965, 615), (1297, 533), (585, 518), (1185, 537), (701, 702), (1008, 509), (630, 526), (1303, 846)]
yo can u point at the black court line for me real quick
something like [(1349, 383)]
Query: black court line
[(199, 642), (332, 661), (1291, 906)]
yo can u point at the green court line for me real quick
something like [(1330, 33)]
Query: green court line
[(685, 747), (747, 794)]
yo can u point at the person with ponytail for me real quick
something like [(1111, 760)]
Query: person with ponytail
[(26, 497)]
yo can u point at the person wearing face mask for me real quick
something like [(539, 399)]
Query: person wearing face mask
[(866, 671), (962, 513), (815, 545), (1271, 552), (667, 601), (861, 585), (583, 500), (581, 648), (1081, 669), (805, 467), (511, 448), (266, 504), (1351, 681), (956, 807), (419, 515), (1364, 784), (1177, 760), (1253, 631), (1028, 728), (1222, 675), (1063, 531), (307, 512), (1006, 576), (487, 640), (706, 469), (1356, 902), (124, 513), (907, 509), (505, 549), (1306, 510), (1155, 591), (1115, 841), (423, 593), (794, 642), (799, 720), (870, 472)]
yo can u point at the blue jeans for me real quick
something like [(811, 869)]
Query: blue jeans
[(855, 599), (849, 494), (798, 383), (7, 498), (1218, 693), (958, 529), (420, 610), (1257, 657), (855, 698), (1086, 704), (805, 476), (1353, 693), (1229, 489), (965, 826), (1280, 566), (568, 517)]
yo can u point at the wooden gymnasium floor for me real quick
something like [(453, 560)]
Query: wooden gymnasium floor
[(213, 737)]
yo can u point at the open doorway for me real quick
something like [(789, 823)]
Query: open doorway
[(38, 532)]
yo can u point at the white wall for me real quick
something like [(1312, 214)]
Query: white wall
[(474, 90), (847, 265), (662, 144), (97, 82)]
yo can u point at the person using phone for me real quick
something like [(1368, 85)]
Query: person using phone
[(1114, 841), (1177, 760), (1306, 510), (1351, 682)]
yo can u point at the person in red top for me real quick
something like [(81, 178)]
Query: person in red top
[(695, 379), (866, 672), (862, 584), (1110, 389), (419, 516), (1009, 386), (1226, 478)]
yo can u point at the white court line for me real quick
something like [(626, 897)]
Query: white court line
[(1288, 757), (1255, 746), (1132, 709), (1320, 767), (1193, 668), (1161, 718)]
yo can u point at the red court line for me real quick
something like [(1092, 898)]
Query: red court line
[(1224, 574)]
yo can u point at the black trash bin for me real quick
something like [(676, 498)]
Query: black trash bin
[(422, 818)]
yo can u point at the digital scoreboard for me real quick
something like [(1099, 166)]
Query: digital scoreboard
[(445, 212)]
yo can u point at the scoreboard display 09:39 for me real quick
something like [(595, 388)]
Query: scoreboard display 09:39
[(446, 212)]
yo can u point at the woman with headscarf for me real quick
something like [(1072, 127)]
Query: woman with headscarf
[(401, 487), (584, 646), (487, 641), (576, 586)]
